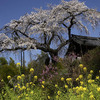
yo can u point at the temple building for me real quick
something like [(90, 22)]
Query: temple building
[(81, 44)]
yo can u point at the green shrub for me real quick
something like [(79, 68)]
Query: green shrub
[(3, 61), (92, 60), (6, 70), (38, 64), (12, 62), (70, 67), (1, 84)]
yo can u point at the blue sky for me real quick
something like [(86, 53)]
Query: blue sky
[(13, 9)]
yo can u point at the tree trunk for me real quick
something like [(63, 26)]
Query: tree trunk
[(54, 57)]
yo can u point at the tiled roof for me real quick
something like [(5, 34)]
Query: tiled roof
[(85, 40)]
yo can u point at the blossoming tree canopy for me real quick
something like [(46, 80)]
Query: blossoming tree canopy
[(48, 30)]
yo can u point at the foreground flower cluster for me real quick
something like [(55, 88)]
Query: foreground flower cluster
[(86, 89)]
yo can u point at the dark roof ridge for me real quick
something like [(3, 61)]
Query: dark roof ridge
[(86, 37), (85, 40)]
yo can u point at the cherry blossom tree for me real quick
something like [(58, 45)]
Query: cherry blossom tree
[(48, 30)]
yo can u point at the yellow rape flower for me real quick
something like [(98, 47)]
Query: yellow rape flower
[(9, 77), (2, 80), (18, 77), (33, 84), (28, 89), (48, 97), (59, 92), (69, 79), (77, 79), (77, 87), (89, 76), (91, 93), (90, 81), (35, 77), (23, 76), (74, 88), (19, 97), (26, 95), (98, 89), (81, 82), (15, 86), (23, 87), (81, 65), (97, 77), (56, 85), (27, 98), (27, 84), (11, 89), (20, 89), (66, 86), (5, 94), (80, 88), (18, 85), (30, 83), (92, 97), (18, 64), (43, 82), (70, 90), (84, 89), (85, 69), (82, 95), (80, 76), (91, 71), (31, 92), (31, 70), (42, 86), (62, 79), (57, 97)]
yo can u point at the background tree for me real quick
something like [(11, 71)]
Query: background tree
[(92, 61), (3, 61), (7, 68), (12, 62), (48, 30), (39, 63)]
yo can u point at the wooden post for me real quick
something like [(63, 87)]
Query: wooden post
[(21, 61)]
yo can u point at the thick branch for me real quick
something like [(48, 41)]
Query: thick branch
[(13, 49), (60, 38), (69, 27), (51, 39), (45, 42), (62, 45), (74, 15)]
